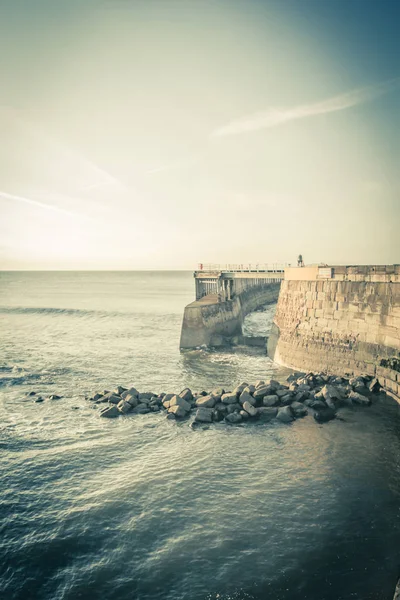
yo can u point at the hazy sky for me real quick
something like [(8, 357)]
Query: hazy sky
[(159, 134)]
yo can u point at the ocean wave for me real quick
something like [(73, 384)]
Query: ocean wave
[(35, 310)]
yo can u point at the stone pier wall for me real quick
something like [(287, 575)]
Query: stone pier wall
[(206, 322), (346, 323)]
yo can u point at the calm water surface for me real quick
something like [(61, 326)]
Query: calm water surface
[(142, 508)]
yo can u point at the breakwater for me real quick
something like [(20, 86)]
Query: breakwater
[(343, 320), (318, 394)]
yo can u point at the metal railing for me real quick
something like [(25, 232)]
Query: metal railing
[(242, 268)]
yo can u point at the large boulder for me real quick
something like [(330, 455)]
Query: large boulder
[(141, 409), (178, 411), (110, 412), (318, 404), (132, 400), (217, 393), (283, 391), (239, 388), (250, 409), (259, 383), (221, 408), (285, 414), (124, 407), (203, 415), (246, 397), (113, 398), (267, 413), (331, 393), (298, 409), (374, 386), (324, 415), (261, 391), (186, 394), (233, 408), (233, 418), (131, 392), (250, 389), (229, 398), (274, 384), (286, 399), (271, 400), (359, 399), (179, 401), (119, 390), (245, 415), (206, 401)]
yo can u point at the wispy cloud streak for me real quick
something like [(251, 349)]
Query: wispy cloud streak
[(272, 117), (32, 202)]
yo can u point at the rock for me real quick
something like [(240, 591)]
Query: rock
[(361, 389), (293, 387), (119, 390), (179, 401), (359, 399), (39, 399), (318, 405), (325, 415), (283, 392), (286, 399), (141, 409), (171, 416), (154, 408), (221, 408), (301, 396), (259, 383), (186, 394), (130, 392), (166, 404), (246, 397), (168, 397), (250, 389), (298, 409), (110, 412), (233, 408), (285, 414), (267, 412), (31, 393), (203, 415), (244, 415), (217, 415), (239, 388), (55, 397), (331, 393), (217, 393), (206, 401), (97, 397), (230, 398), (113, 399), (262, 391), (249, 408), (233, 418), (178, 411), (374, 386), (274, 384), (124, 407), (271, 400), (146, 396), (132, 400)]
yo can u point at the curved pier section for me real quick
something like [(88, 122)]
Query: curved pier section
[(340, 319), (223, 299)]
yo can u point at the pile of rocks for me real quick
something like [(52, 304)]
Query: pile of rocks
[(318, 394)]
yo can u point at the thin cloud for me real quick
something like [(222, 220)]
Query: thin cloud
[(272, 117), (32, 202)]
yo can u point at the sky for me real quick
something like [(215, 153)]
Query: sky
[(144, 134)]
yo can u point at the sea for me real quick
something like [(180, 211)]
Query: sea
[(142, 508)]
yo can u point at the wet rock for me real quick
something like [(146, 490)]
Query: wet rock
[(132, 400), (285, 414), (239, 388), (324, 415), (130, 392), (203, 415), (186, 394), (244, 415), (230, 398), (54, 397), (31, 393), (298, 409), (217, 393), (286, 399), (246, 397), (361, 389), (249, 408), (233, 418), (97, 396), (233, 408), (262, 391), (318, 405), (283, 392), (267, 413), (217, 415), (250, 389), (124, 407), (170, 417), (144, 396), (359, 399), (259, 383), (111, 398), (274, 384), (39, 399), (110, 412), (374, 386), (141, 409), (206, 401), (154, 407), (179, 401), (119, 390), (271, 400), (331, 393), (221, 408)]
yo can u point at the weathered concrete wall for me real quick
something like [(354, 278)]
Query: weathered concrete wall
[(206, 319), (346, 324)]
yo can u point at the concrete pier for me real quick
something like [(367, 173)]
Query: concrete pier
[(224, 296)]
